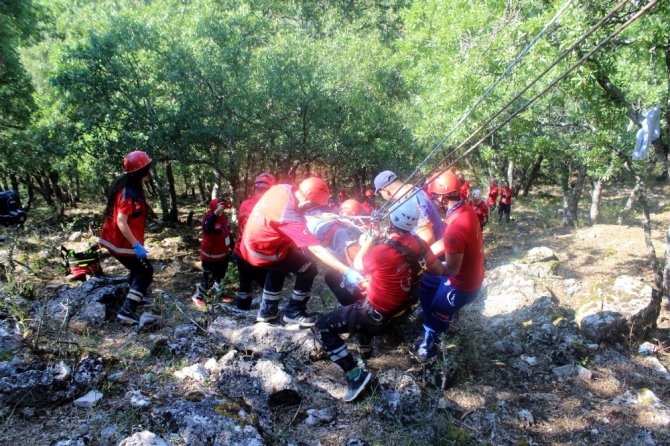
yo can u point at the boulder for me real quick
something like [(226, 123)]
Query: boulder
[(509, 288), (90, 316), (212, 421), (628, 309), (89, 400), (10, 337), (540, 254), (400, 400), (265, 339)]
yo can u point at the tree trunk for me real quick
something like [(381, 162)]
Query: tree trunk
[(174, 207), (646, 226), (510, 174), (202, 188), (632, 198), (535, 170), (666, 268), (570, 216), (15, 182), (596, 194), (165, 209)]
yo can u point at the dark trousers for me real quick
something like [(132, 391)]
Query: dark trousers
[(213, 272), (346, 295), (358, 318), (305, 272), (248, 275), (141, 273), (504, 209)]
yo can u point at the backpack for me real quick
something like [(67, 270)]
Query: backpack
[(417, 262), (10, 208), (78, 264)]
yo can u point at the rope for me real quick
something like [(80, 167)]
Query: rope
[(636, 16), (486, 94)]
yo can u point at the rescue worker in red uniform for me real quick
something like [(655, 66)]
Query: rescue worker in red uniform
[(493, 194), (123, 231), (481, 208), (214, 252), (505, 206), (369, 204), (464, 186), (249, 274), (275, 238), (441, 297), (394, 267)]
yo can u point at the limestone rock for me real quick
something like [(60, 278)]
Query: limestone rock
[(148, 322), (196, 372), (210, 421), (629, 308), (144, 438), (400, 400), (508, 289), (89, 400), (90, 317), (540, 254), (265, 339)]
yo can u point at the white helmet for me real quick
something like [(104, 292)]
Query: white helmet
[(405, 215), (476, 193)]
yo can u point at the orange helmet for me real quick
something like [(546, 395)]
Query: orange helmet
[(369, 193), (443, 183), (351, 208), (265, 178), (315, 190), (135, 161)]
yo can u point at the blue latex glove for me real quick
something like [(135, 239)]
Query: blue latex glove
[(140, 251), (352, 277)]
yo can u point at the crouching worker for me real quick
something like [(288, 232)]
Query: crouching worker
[(394, 267), (276, 238), (214, 253)]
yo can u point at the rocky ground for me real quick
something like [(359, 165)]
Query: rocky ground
[(560, 349)]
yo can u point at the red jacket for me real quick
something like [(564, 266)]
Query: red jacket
[(493, 195), (128, 202), (506, 195), (215, 245), (242, 216), (274, 227)]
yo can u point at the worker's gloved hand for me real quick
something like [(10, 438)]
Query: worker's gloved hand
[(352, 277), (140, 251)]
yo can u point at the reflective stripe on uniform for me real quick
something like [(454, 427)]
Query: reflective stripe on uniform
[(213, 256), (340, 353), (273, 258), (115, 248)]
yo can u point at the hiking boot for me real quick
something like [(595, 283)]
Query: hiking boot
[(128, 312), (302, 319), (357, 385), (243, 304), (267, 314)]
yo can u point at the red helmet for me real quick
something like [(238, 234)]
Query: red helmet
[(265, 178), (351, 208), (315, 190), (444, 183), (135, 161), (369, 193)]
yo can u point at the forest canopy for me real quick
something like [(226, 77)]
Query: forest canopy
[(217, 90)]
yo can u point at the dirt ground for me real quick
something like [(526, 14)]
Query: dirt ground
[(565, 413)]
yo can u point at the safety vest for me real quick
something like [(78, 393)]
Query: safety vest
[(262, 243), (242, 216)]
